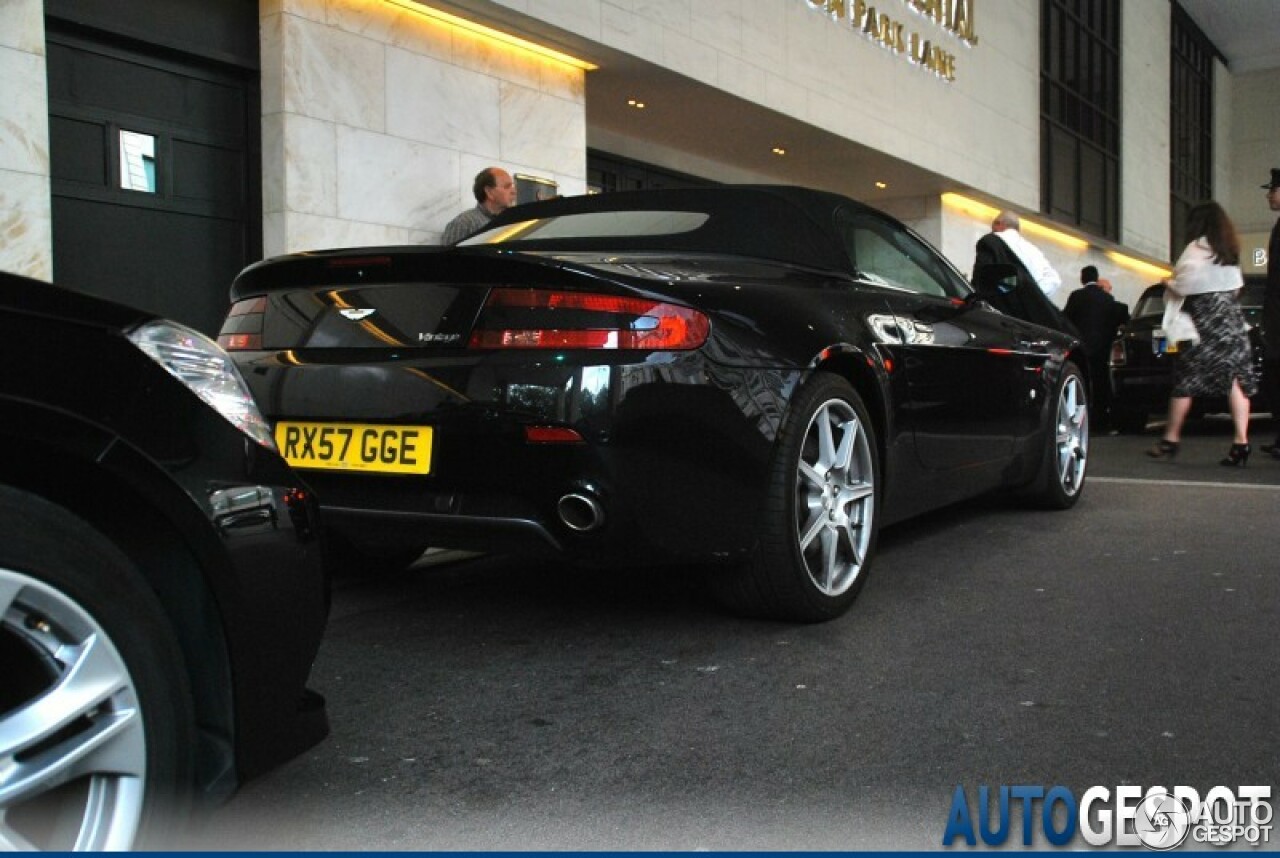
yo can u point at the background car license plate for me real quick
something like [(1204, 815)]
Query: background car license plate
[(356, 447)]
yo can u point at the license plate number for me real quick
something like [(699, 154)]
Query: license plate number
[(358, 447)]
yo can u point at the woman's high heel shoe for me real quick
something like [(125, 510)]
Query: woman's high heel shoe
[(1164, 450), (1237, 457)]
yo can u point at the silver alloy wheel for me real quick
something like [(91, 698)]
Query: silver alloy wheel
[(73, 756), (835, 497), (1071, 439)]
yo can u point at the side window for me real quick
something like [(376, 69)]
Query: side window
[(885, 253)]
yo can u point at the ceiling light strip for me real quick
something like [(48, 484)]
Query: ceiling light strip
[(984, 212), (477, 29), (1158, 272)]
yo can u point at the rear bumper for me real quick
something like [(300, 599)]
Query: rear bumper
[(671, 466)]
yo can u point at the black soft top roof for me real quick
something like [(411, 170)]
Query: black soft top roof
[(779, 222)]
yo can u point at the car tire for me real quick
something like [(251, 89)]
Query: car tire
[(1060, 480), (821, 515), (96, 718)]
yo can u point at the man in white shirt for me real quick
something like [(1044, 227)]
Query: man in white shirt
[(1005, 244)]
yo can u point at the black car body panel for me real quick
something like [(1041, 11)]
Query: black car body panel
[(1142, 364), (675, 445), (226, 533)]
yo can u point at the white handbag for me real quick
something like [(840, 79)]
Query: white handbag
[(1177, 323)]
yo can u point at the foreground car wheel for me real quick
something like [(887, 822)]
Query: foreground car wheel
[(95, 715), (820, 526), (1066, 452)]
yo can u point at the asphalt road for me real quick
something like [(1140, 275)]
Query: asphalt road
[(494, 704)]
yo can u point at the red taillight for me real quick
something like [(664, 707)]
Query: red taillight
[(242, 329), (552, 435), (240, 342), (545, 319)]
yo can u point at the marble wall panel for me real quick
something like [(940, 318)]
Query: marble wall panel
[(449, 107), (311, 232), (22, 26), (580, 16), (26, 233), (562, 81), (674, 15), (391, 25), (762, 21), (743, 79), (333, 75), (383, 117), (625, 30), (271, 48), (543, 130), (24, 117), (688, 56), (387, 180), (311, 166), (26, 237), (718, 25)]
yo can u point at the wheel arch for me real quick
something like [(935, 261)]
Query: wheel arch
[(867, 375), (58, 457)]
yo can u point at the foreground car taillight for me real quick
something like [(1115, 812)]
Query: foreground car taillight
[(547, 319), (242, 329), (202, 366)]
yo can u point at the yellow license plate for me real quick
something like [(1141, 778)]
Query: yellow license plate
[(356, 447)]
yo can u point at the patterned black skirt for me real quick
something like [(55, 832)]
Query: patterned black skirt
[(1223, 354)]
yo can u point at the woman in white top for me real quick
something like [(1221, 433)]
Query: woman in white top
[(1219, 360)]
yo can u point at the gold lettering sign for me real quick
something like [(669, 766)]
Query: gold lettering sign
[(880, 26)]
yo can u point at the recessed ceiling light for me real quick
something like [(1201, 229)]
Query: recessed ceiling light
[(778, 150), (881, 185), (638, 105)]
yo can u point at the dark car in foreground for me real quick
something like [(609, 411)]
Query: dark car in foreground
[(754, 379), (162, 595), (1142, 360)]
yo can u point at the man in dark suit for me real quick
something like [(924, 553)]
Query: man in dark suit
[(1271, 314), (1097, 314)]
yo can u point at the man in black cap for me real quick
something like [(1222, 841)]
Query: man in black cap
[(1271, 314)]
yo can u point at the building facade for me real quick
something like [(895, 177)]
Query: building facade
[(175, 142)]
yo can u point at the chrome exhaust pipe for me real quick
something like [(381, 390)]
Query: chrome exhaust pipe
[(580, 512)]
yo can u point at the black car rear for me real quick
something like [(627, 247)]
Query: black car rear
[(1142, 360), (682, 377)]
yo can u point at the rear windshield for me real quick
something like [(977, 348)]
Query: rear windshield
[(1250, 296), (1150, 304), (593, 225)]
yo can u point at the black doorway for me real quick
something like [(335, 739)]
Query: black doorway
[(154, 158)]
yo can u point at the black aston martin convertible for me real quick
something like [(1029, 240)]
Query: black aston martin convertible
[(752, 378)]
